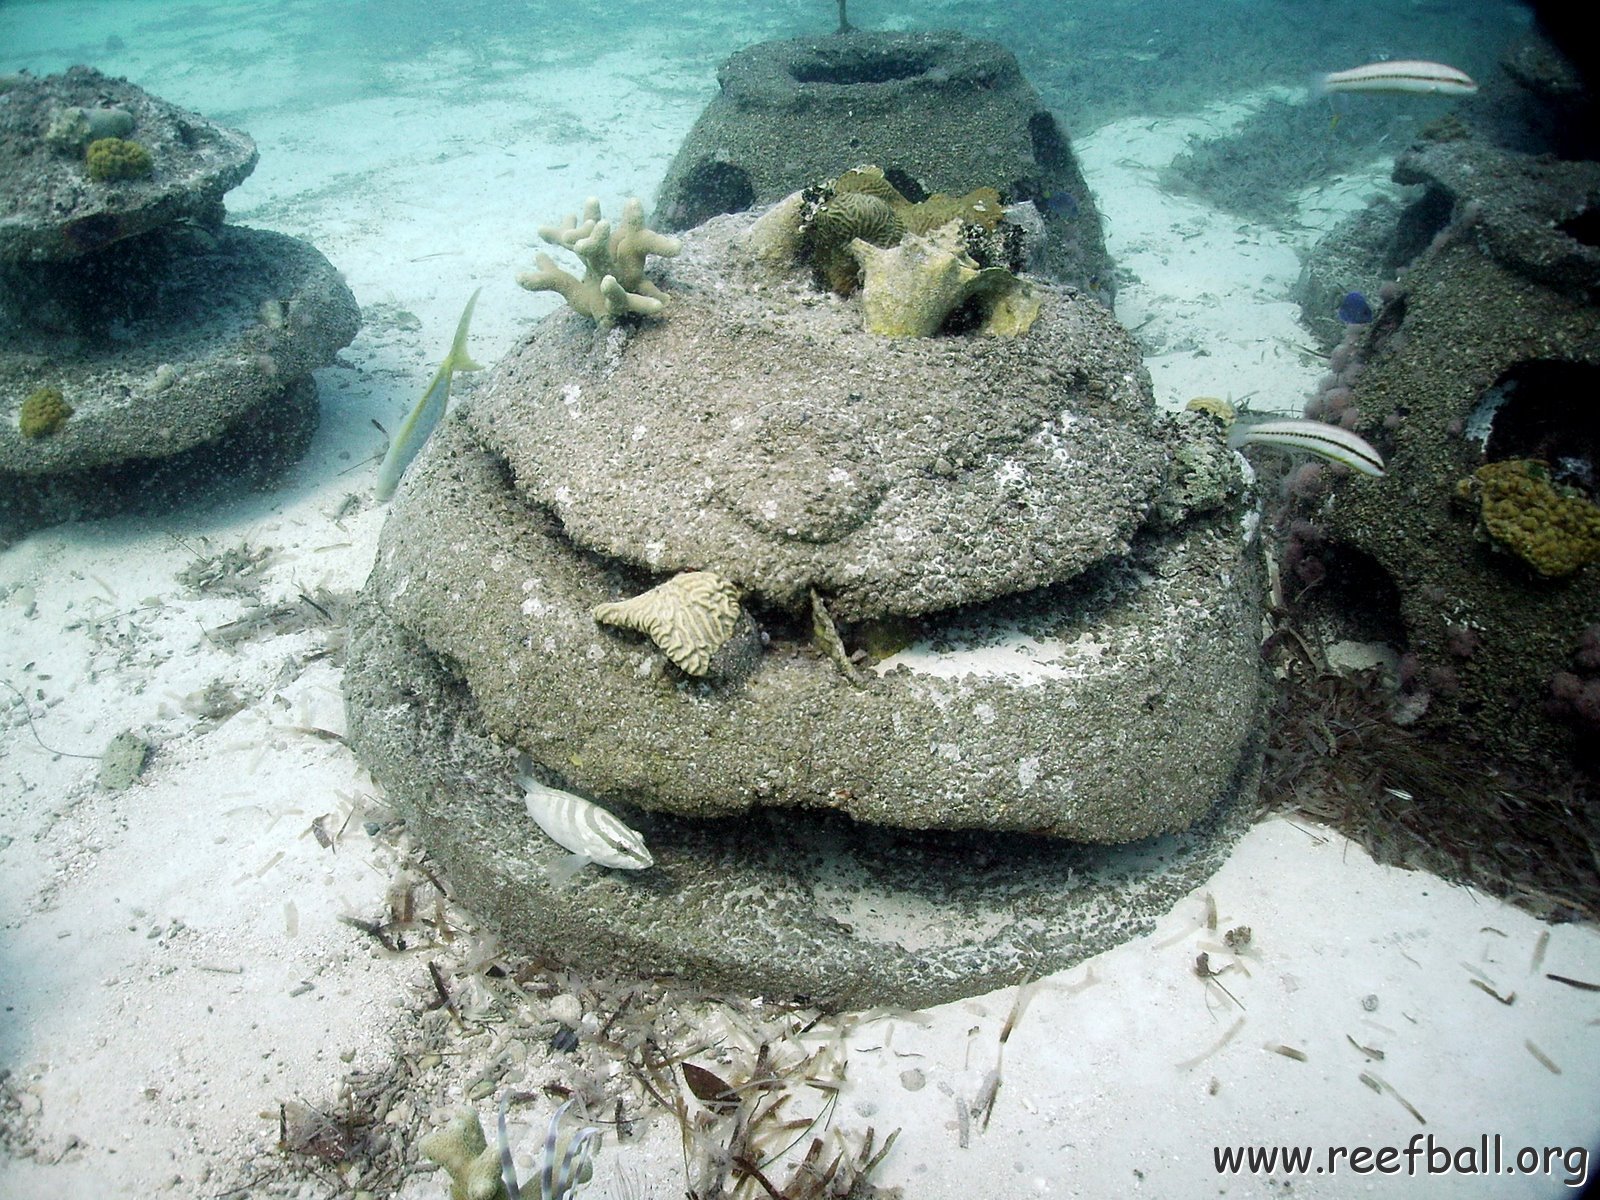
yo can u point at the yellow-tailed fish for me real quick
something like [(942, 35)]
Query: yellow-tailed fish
[(420, 421)]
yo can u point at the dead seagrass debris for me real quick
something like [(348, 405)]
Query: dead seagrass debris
[(689, 617)]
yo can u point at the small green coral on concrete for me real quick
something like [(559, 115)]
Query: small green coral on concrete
[(1554, 529), (613, 283), (110, 159), (43, 412)]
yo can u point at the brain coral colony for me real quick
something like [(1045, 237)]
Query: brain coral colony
[(920, 267), (43, 412), (181, 340)]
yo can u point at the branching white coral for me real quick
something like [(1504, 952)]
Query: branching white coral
[(613, 283)]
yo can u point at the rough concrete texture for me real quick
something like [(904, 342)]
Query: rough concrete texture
[(199, 329), (1490, 351), (759, 431), (1361, 254), (50, 210), (1107, 709), (252, 453), (939, 112), (778, 904)]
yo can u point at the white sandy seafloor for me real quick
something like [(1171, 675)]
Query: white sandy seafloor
[(174, 967)]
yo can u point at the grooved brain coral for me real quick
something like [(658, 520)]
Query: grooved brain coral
[(1555, 530), (43, 412), (689, 617), (851, 215)]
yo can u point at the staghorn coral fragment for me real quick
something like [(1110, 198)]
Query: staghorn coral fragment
[(613, 283), (911, 289), (689, 617)]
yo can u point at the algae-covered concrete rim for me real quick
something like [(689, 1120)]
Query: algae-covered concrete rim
[(50, 210), (227, 319)]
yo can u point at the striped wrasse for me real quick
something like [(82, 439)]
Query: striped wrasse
[(583, 827), (1402, 75), (1331, 442)]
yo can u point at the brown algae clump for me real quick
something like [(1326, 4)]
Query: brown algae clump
[(111, 159), (43, 412)]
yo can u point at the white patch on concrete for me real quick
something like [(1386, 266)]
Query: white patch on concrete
[(1000, 652)]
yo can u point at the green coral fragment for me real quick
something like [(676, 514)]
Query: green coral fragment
[(111, 159), (1554, 529), (613, 283), (472, 1164), (43, 412)]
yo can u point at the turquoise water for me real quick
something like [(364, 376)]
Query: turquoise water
[(1093, 62)]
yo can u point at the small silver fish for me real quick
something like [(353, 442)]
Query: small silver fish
[(419, 422), (1401, 75), (583, 827)]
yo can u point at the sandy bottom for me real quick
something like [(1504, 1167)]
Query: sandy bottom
[(183, 974)]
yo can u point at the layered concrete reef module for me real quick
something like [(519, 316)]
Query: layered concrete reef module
[(1479, 379), (1022, 739), (181, 347)]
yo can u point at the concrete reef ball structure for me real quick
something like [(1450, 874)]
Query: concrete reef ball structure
[(183, 346), (994, 665)]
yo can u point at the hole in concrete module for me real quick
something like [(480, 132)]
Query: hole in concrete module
[(712, 188), (1529, 412), (1049, 146), (858, 67), (1584, 226), (906, 184)]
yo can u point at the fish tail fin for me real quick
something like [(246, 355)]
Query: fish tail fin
[(459, 359), (566, 868)]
